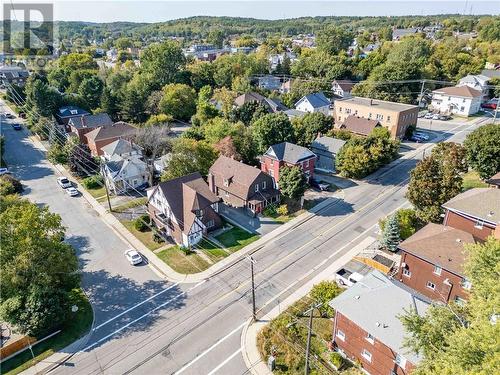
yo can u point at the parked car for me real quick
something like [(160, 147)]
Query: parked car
[(64, 182), (10, 115), (4, 171), (421, 114), (16, 126), (444, 117), (133, 256), (72, 192), (345, 277), (416, 138), (435, 117), (421, 135), (428, 115), (489, 105), (318, 184)]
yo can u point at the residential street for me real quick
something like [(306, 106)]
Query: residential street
[(146, 325)]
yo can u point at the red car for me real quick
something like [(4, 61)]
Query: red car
[(489, 105)]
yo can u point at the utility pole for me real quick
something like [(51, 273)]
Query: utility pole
[(106, 188), (496, 110), (308, 346), (254, 311), (421, 94)]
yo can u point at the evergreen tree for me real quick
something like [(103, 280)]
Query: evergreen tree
[(390, 235)]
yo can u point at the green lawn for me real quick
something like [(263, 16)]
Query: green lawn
[(96, 193), (182, 263), (130, 204), (212, 251), (236, 238), (471, 180), (145, 237), (77, 325)]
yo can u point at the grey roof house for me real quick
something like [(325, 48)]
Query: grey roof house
[(316, 102), (326, 150)]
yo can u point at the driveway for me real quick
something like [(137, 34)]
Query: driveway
[(260, 225)]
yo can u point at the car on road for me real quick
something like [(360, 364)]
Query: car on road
[(64, 182), (72, 192), (489, 105), (16, 126), (319, 184), (133, 256), (435, 116), (10, 115), (428, 115), (444, 117), (421, 114), (4, 171), (416, 138), (421, 135)]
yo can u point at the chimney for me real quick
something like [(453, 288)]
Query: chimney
[(83, 121)]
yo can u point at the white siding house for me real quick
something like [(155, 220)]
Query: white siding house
[(459, 100), (476, 82), (316, 102)]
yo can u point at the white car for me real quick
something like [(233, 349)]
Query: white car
[(428, 115), (72, 192), (64, 182), (435, 117), (133, 256), (421, 135), (4, 171)]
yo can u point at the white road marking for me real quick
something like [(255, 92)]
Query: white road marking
[(210, 349), (224, 362), (135, 306), (139, 318)]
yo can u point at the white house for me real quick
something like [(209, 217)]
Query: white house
[(269, 82), (122, 148), (342, 88), (477, 82), (459, 100), (124, 174), (316, 102)]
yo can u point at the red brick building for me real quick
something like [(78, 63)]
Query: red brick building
[(81, 125), (102, 136), (367, 328), (476, 211), (432, 262), (287, 154)]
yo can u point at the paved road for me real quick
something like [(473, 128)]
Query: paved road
[(195, 329)]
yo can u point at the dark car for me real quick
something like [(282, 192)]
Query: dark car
[(10, 115), (444, 117), (318, 184), (16, 126), (489, 105)]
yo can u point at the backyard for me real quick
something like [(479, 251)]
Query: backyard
[(471, 180)]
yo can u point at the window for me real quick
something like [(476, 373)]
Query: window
[(263, 185), (370, 338), (406, 272), (210, 223), (227, 194), (388, 118), (379, 117), (340, 118), (437, 270), (226, 182), (340, 109), (462, 108), (341, 335), (479, 224), (366, 355), (459, 301), (430, 285), (400, 361), (256, 187), (466, 284), (306, 164)]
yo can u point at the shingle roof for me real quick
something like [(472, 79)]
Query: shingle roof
[(481, 203), (275, 104), (294, 113), (185, 195), (330, 144), (289, 152), (71, 111), (462, 91), (440, 245), (359, 125), (345, 85), (317, 100), (118, 129), (494, 180), (375, 303), (120, 147), (248, 98), (91, 121)]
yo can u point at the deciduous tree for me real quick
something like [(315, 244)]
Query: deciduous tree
[(179, 101), (483, 150), (271, 129), (292, 182)]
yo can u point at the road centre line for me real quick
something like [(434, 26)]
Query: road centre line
[(225, 361), (208, 350), (135, 306)]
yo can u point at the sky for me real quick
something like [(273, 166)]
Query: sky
[(164, 10)]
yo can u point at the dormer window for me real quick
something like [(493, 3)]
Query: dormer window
[(479, 224), (226, 182), (263, 185), (256, 187), (73, 111)]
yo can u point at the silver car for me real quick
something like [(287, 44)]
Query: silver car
[(133, 256)]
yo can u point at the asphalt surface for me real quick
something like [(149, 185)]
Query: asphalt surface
[(147, 326)]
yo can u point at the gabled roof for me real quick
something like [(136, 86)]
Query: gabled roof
[(317, 100), (330, 144), (275, 105), (248, 98), (293, 113), (345, 85), (480, 203), (461, 91), (494, 180), (185, 195), (91, 121), (70, 111), (120, 147), (118, 129), (479, 78), (375, 304), (359, 125), (440, 245), (289, 152), (116, 165)]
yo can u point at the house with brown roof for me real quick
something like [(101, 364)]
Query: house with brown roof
[(342, 88), (104, 135), (81, 125), (241, 185), (184, 209), (359, 125), (432, 262), (475, 211), (459, 100), (494, 181)]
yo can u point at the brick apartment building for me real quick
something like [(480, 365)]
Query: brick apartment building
[(432, 263), (287, 154), (367, 328), (104, 135), (475, 211), (396, 117), (81, 125)]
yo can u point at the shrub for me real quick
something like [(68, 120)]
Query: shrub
[(186, 250), (270, 210), (282, 210), (337, 360), (10, 185), (157, 238), (323, 293), (142, 223), (93, 182)]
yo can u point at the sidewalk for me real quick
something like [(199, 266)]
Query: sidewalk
[(249, 350), (161, 267)]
